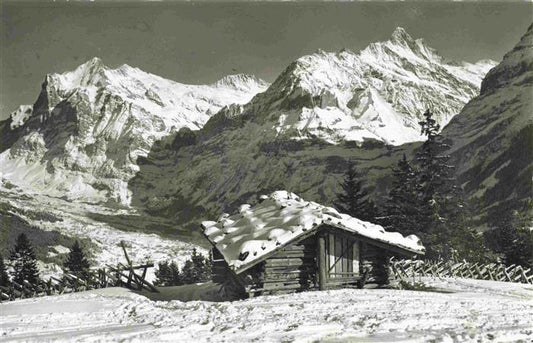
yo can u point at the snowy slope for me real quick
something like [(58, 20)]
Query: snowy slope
[(474, 311), (89, 126), (492, 136), (379, 93)]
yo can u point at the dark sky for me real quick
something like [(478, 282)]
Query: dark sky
[(201, 42)]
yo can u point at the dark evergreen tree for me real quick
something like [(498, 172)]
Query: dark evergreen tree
[(168, 274), (513, 238), (401, 211), (353, 199), (197, 269), (24, 262), (77, 262), (444, 220), (162, 274), (4, 278)]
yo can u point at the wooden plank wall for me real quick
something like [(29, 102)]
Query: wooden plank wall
[(292, 269)]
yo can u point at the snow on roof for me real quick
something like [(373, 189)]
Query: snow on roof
[(244, 238)]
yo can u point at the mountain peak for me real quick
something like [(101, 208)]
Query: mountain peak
[(88, 73), (399, 35), (239, 81), (92, 65)]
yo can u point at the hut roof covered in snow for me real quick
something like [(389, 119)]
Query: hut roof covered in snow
[(244, 239)]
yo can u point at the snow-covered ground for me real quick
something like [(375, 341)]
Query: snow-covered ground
[(473, 310)]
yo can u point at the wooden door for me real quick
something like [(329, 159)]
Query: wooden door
[(342, 256)]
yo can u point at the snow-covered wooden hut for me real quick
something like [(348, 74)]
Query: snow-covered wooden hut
[(286, 244)]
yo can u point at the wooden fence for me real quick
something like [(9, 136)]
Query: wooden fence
[(402, 269), (122, 275)]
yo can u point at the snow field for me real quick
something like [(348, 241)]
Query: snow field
[(478, 311)]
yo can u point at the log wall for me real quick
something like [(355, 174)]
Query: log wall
[(292, 269)]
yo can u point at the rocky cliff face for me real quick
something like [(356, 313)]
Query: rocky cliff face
[(88, 127), (493, 136)]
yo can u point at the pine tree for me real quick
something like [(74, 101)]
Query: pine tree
[(162, 274), (444, 219), (4, 278), (513, 238), (197, 269), (24, 262), (168, 274), (402, 212), (354, 199), (77, 262)]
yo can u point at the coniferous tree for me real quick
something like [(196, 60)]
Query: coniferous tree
[(402, 212), (168, 274), (24, 262), (513, 237), (444, 220), (353, 199), (4, 278), (197, 269), (162, 274), (77, 262)]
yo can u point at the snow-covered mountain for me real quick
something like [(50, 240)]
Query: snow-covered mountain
[(324, 110), (493, 136), (89, 126), (378, 93), (93, 129)]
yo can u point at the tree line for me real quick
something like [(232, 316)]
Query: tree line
[(22, 267), (22, 263), (196, 269), (426, 200)]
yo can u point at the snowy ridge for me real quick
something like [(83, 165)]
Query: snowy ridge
[(280, 218), (174, 103), (89, 126), (242, 82), (379, 93)]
